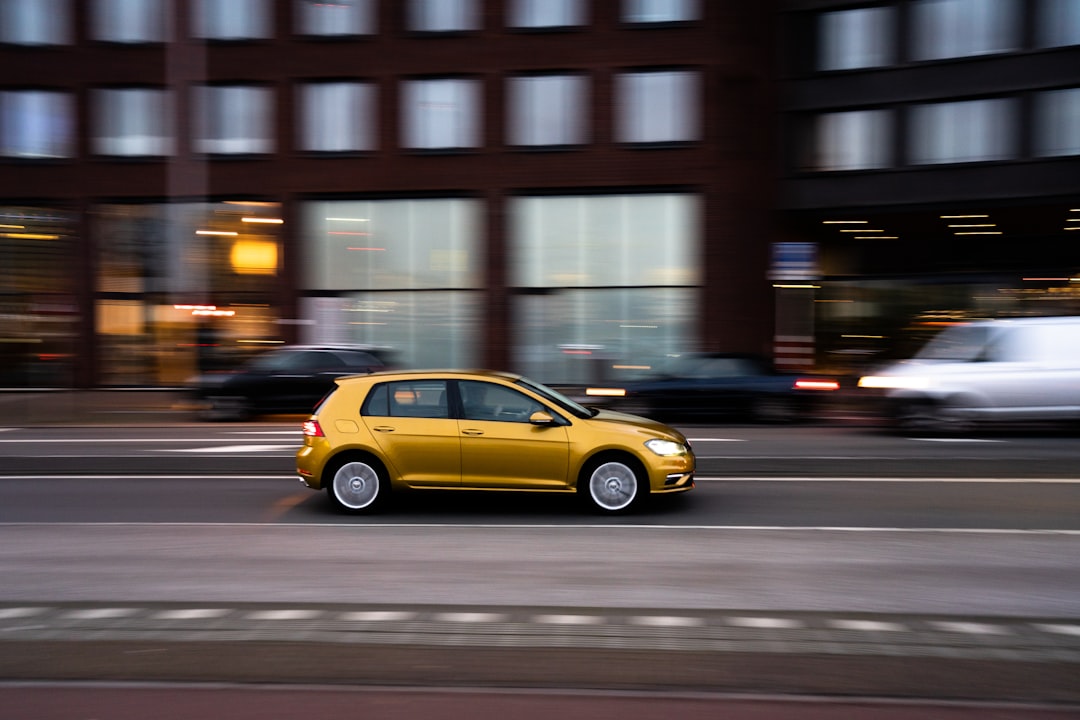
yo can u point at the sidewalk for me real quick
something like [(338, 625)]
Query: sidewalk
[(96, 407)]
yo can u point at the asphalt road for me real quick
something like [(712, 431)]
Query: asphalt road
[(812, 559)]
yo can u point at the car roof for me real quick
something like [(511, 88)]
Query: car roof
[(433, 374)]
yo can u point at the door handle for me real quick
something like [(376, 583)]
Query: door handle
[(383, 428), (472, 432)]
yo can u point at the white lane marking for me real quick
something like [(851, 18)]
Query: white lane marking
[(299, 433), (470, 617), (98, 441), (957, 440), (100, 613), (666, 621), (705, 440), (20, 612), (192, 614), (1018, 481), (233, 449), (378, 616), (284, 615), (765, 623), (355, 528), (147, 477), (866, 625), (1059, 629), (971, 628), (567, 619)]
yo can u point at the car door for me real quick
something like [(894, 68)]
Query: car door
[(501, 448), (411, 424)]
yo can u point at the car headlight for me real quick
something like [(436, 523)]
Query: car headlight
[(894, 382), (665, 447)]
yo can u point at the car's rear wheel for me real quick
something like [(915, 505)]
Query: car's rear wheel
[(613, 485), (774, 409), (357, 485), (227, 407)]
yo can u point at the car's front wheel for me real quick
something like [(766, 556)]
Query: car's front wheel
[(613, 485), (357, 485)]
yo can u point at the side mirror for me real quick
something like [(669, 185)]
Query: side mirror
[(541, 418)]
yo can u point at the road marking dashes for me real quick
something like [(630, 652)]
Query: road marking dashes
[(666, 621), (284, 615), (470, 617), (866, 625), (233, 449), (100, 613), (378, 616), (971, 628), (567, 619), (20, 612), (765, 623), (192, 614), (1059, 629)]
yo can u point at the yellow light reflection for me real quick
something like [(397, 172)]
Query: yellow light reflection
[(254, 257)]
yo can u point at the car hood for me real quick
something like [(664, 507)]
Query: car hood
[(624, 419)]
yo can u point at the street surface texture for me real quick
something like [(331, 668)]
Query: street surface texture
[(822, 560)]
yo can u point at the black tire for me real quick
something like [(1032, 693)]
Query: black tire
[(774, 409), (612, 485), (929, 417), (222, 408), (357, 484)]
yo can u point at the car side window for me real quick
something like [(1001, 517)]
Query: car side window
[(487, 401), (412, 398)]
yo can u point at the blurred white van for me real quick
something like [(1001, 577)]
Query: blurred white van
[(990, 370)]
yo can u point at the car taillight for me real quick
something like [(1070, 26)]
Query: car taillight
[(807, 384), (312, 429)]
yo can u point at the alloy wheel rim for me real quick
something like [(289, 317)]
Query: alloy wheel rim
[(356, 485), (613, 486)]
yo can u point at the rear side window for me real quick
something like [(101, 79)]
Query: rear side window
[(411, 398)]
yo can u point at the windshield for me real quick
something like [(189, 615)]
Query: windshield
[(557, 398), (964, 342)]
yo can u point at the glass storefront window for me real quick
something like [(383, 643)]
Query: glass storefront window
[(399, 274), (184, 288), (607, 285), (38, 309)]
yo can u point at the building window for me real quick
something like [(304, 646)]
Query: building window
[(35, 22), (959, 28), (857, 140), (660, 11), (342, 17), (337, 116), (133, 122), (548, 110), (232, 20), (546, 13), (861, 38), (234, 119), (658, 106), (401, 274), (37, 124), (131, 21), (443, 15), (441, 114), (40, 259), (155, 261), (969, 131), (1059, 23), (1057, 123), (603, 282)]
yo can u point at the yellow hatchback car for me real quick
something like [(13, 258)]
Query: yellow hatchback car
[(392, 431)]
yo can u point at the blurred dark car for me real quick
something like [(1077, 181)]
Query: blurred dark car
[(715, 386), (290, 379)]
